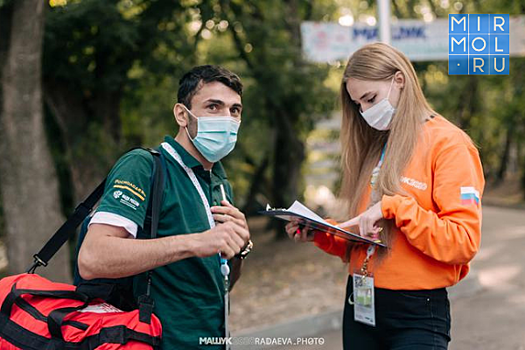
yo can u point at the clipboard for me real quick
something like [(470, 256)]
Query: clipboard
[(314, 221)]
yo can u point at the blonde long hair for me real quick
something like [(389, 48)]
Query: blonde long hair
[(362, 145)]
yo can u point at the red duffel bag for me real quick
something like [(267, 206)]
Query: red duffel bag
[(39, 314)]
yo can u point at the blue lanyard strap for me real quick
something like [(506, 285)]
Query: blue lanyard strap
[(375, 172), (382, 156)]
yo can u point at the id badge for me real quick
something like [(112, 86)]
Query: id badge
[(364, 306)]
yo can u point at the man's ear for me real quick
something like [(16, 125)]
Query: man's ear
[(179, 112)]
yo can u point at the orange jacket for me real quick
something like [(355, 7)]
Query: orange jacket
[(438, 224)]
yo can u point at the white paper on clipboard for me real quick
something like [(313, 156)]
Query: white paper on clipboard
[(303, 213)]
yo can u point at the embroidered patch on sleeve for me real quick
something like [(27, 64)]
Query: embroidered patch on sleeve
[(126, 200), (126, 185), (469, 195)]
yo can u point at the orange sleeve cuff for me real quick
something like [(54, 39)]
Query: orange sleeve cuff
[(321, 239), (389, 205)]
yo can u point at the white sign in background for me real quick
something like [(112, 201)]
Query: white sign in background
[(420, 41)]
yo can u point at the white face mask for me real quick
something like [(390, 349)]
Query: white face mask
[(216, 136), (380, 115)]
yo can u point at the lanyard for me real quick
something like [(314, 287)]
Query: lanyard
[(193, 179), (225, 269), (382, 157), (373, 179), (375, 172), (199, 189)]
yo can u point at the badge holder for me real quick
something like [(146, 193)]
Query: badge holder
[(363, 293)]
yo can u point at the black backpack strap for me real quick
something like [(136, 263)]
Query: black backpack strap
[(155, 203), (68, 228), (146, 303), (157, 193)]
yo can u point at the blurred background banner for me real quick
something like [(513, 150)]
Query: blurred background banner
[(419, 40)]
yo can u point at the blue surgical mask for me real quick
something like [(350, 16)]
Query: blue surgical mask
[(380, 115), (216, 136)]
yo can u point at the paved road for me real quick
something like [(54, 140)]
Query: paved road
[(493, 317)]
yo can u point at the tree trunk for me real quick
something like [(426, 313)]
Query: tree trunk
[(289, 149), (500, 176), (256, 184), (88, 161), (469, 104), (523, 184), (288, 158), (29, 184)]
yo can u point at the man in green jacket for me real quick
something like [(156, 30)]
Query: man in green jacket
[(196, 223)]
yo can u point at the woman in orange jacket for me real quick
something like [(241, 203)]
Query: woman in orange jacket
[(413, 180)]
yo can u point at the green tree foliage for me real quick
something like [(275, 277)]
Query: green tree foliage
[(99, 53)]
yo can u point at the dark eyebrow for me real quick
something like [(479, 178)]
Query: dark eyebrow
[(221, 103), (366, 93)]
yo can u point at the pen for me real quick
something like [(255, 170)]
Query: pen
[(223, 193)]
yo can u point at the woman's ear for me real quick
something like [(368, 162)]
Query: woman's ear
[(179, 112), (399, 79)]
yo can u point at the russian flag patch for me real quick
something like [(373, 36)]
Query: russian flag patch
[(469, 195)]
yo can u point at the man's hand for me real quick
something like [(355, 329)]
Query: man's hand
[(227, 239), (367, 222), (229, 236), (228, 213)]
